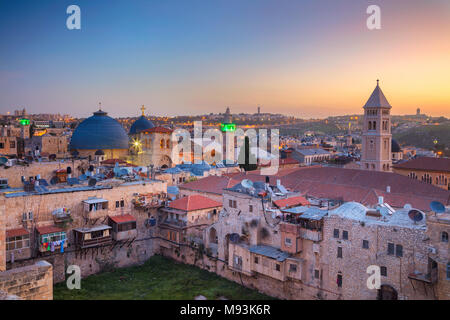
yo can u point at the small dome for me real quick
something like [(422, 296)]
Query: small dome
[(142, 123), (99, 153), (99, 132), (395, 147)]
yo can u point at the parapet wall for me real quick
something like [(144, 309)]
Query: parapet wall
[(33, 282)]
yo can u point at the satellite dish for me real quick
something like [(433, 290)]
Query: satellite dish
[(246, 183), (415, 215), (407, 206), (437, 207), (92, 182)]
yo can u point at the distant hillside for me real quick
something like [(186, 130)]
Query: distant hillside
[(318, 127), (424, 136)]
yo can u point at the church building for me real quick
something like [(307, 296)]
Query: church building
[(150, 144), (376, 138)]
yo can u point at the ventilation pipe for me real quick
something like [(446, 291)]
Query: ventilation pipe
[(388, 189)]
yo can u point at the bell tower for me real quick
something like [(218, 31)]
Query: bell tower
[(376, 138)]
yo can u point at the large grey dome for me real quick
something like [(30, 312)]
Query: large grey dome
[(99, 132)]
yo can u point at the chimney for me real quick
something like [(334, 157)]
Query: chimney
[(380, 200), (388, 189), (278, 182)]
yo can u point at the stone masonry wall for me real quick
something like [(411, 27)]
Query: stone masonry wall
[(34, 282)]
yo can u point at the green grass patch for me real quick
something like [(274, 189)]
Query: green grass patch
[(159, 278)]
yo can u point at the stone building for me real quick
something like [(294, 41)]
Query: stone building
[(48, 144), (376, 137), (183, 220), (81, 225), (435, 171), (150, 145)]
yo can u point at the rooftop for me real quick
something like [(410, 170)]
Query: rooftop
[(426, 164), (194, 202)]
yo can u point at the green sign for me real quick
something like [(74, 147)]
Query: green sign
[(228, 127), (24, 122)]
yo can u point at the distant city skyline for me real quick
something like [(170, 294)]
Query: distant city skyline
[(308, 59)]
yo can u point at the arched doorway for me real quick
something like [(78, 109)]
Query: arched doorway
[(213, 236), (387, 292)]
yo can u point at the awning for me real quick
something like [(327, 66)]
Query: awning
[(16, 232), (96, 228), (123, 218), (48, 229), (94, 200)]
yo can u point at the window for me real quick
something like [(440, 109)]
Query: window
[(2, 145), (399, 250), (168, 143), (250, 208), (161, 143), (444, 237), (345, 235), (256, 260), (292, 268), (20, 242), (126, 226), (12, 144), (287, 241), (117, 204), (52, 237), (365, 244), (390, 248), (317, 274), (383, 271), (230, 203), (339, 252), (277, 267), (339, 280), (336, 233), (122, 203)]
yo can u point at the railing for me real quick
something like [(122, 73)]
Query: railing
[(174, 222), (95, 242)]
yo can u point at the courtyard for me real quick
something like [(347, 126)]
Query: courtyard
[(159, 278)]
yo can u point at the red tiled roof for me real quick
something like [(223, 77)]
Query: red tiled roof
[(290, 202), (210, 184), (194, 202), (113, 161), (48, 229), (123, 218), (16, 232), (354, 185), (281, 162), (158, 129), (426, 163)]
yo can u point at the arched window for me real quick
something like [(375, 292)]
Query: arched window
[(161, 143), (444, 236), (374, 125), (168, 144), (370, 125)]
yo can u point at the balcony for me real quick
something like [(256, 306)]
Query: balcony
[(429, 278), (61, 215), (174, 222), (93, 237)]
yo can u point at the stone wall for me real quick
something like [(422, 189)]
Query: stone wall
[(45, 169), (34, 282)]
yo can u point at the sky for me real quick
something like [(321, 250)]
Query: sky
[(308, 59)]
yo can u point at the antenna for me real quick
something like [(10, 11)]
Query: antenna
[(415, 215), (437, 207)]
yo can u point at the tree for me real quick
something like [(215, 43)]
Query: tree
[(247, 160)]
